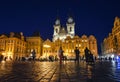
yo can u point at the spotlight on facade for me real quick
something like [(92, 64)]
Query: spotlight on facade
[(46, 46), (112, 56)]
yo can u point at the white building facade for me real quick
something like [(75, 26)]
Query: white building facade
[(61, 32)]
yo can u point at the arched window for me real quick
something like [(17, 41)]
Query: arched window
[(70, 29), (56, 30)]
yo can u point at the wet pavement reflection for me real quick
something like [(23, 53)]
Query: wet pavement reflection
[(69, 71)]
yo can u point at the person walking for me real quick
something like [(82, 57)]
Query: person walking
[(33, 54), (60, 54), (77, 52), (91, 58), (87, 51)]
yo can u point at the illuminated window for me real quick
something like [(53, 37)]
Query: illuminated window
[(67, 50), (85, 40), (79, 45), (76, 45), (72, 50)]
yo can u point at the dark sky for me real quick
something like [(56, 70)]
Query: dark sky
[(91, 16)]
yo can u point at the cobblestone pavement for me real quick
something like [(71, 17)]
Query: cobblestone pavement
[(69, 71)]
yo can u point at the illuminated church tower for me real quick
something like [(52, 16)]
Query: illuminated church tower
[(70, 27), (57, 27), (61, 32)]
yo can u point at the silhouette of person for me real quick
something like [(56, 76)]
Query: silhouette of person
[(1, 57), (91, 58), (60, 54), (77, 52), (86, 54)]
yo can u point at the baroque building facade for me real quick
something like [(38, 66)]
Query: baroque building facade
[(66, 38), (16, 45), (34, 43), (69, 44), (13, 46), (111, 44)]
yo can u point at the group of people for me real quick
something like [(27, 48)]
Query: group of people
[(88, 55)]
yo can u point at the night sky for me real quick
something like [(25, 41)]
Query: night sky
[(94, 17)]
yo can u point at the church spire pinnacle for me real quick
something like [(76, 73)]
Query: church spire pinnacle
[(57, 22)]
